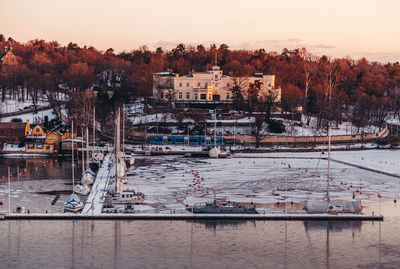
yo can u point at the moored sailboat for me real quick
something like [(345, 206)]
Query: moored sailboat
[(73, 202), (328, 205)]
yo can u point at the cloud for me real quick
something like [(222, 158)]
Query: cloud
[(379, 56), (293, 40), (321, 46)]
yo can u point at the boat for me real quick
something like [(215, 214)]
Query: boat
[(88, 177), (82, 189), (329, 206), (227, 208), (21, 210), (216, 152), (128, 197), (73, 202)]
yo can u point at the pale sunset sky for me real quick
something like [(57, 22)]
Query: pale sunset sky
[(354, 28)]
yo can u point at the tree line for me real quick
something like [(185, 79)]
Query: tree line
[(331, 89)]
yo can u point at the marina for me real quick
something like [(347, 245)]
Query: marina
[(171, 184)]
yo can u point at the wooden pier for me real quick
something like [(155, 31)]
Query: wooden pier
[(95, 201), (194, 217)]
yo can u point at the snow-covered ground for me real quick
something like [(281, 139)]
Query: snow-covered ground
[(14, 105), (32, 117), (12, 148)]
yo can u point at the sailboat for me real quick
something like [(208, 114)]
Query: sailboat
[(73, 202), (215, 151), (20, 208), (121, 196), (328, 205)]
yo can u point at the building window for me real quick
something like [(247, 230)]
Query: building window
[(180, 84), (203, 96), (198, 84), (227, 96), (187, 95), (216, 85), (209, 97), (196, 96), (206, 84), (216, 76), (162, 95), (39, 146), (37, 129), (180, 95), (187, 84), (269, 84), (227, 84)]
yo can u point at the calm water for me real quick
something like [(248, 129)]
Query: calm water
[(182, 244)]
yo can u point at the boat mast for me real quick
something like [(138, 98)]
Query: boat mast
[(83, 151), (19, 194), (215, 128), (329, 163), (94, 126), (9, 192), (87, 146), (73, 164), (123, 129), (116, 144)]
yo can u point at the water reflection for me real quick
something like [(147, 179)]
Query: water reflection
[(214, 224), (199, 244), (334, 226)]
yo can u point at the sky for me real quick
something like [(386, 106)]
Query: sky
[(340, 28)]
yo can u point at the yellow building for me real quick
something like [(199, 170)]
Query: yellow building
[(211, 86), (7, 58), (37, 141)]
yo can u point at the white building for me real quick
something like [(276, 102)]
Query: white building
[(211, 86)]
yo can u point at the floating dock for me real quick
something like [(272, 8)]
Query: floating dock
[(194, 217), (95, 201)]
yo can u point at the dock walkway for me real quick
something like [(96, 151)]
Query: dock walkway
[(94, 203), (194, 217)]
